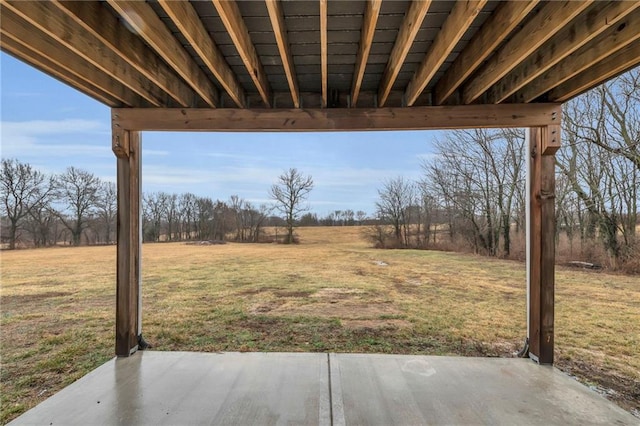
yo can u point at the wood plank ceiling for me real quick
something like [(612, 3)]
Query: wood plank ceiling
[(325, 53)]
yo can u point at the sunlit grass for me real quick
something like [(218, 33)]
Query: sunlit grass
[(330, 293)]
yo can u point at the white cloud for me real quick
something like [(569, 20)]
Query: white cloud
[(32, 138)]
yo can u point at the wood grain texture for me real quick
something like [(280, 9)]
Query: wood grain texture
[(46, 65), (324, 51), (188, 22), (141, 17), (237, 30), (497, 27), (63, 30), (606, 44), (276, 15), (624, 59), (30, 43), (128, 250), (94, 19), (459, 20), (536, 31), (406, 34), (337, 119), (542, 249), (579, 32), (371, 12)]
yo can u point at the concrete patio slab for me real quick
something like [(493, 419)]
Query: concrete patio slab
[(177, 388), (410, 390)]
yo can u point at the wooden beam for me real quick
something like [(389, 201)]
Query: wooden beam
[(459, 20), (276, 15), (337, 119), (188, 22), (542, 249), (324, 67), (63, 30), (128, 250), (142, 19), (406, 34), (26, 54), (239, 33), (621, 61), (497, 27), (371, 12), (540, 28), (94, 18), (34, 44), (578, 33), (606, 44)]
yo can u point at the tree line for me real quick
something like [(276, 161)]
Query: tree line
[(472, 195), (76, 207)]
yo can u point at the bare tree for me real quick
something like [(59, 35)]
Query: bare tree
[(22, 189), (289, 193), (107, 208), (395, 199), (77, 190)]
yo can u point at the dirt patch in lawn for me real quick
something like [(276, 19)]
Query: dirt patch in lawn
[(625, 391), (382, 324)]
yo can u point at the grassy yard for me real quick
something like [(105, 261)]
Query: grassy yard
[(330, 293)]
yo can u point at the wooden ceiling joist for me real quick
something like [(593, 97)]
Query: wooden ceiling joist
[(548, 21), (276, 15), (337, 119), (239, 33), (495, 29), (624, 59), (141, 17), (578, 33), (406, 34), (176, 53), (90, 15), (188, 22), (46, 65), (371, 12), (459, 20), (324, 51), (80, 46), (607, 43)]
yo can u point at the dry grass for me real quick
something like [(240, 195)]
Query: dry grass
[(330, 293)]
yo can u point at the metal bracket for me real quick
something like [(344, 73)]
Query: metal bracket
[(143, 344)]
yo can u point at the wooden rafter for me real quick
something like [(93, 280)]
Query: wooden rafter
[(92, 18), (65, 61), (64, 30), (498, 26), (25, 53), (188, 22), (371, 12), (141, 17), (540, 28), (338, 119), (239, 33), (622, 60), (407, 33), (324, 67), (606, 44), (276, 15), (601, 17), (459, 20)]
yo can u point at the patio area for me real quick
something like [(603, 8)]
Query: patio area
[(322, 389)]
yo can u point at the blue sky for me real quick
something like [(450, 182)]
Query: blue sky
[(52, 126)]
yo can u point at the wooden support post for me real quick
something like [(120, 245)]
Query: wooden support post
[(543, 142), (128, 257)]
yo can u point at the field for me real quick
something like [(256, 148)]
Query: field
[(329, 293)]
